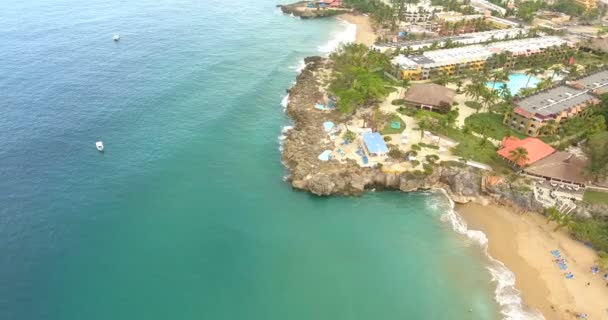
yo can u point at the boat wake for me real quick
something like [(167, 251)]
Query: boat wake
[(347, 35), (507, 296)]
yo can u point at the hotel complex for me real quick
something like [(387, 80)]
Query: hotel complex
[(470, 58), (556, 105), (468, 38)]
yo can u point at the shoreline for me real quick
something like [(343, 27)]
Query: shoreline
[(523, 243), (527, 290), (365, 32)]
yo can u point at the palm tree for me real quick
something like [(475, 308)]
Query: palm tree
[(519, 155), (489, 97), (556, 70), (532, 73), (562, 219), (550, 127), (573, 71), (500, 75), (405, 83)]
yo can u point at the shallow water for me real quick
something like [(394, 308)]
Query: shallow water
[(186, 215)]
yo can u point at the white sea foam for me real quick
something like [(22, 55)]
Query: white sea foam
[(283, 136), (285, 102), (507, 296), (298, 67), (347, 35)]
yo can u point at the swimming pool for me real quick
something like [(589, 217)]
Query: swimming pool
[(517, 81)]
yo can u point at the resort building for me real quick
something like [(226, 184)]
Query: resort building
[(554, 106), (374, 144), (470, 58), (560, 167), (484, 5), (596, 83), (543, 161), (419, 12), (536, 150), (429, 96), (466, 39), (329, 3)]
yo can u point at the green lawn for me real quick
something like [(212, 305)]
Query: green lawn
[(492, 123), (387, 127), (595, 197), (472, 148)]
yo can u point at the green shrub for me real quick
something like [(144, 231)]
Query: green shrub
[(473, 105), (592, 231), (395, 153), (432, 158), (430, 146), (350, 136), (415, 163), (398, 102), (603, 260), (387, 138), (416, 147), (428, 169)]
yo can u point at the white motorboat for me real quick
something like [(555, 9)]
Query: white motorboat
[(116, 37), (99, 146)]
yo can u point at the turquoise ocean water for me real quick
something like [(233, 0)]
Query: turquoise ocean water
[(186, 215)]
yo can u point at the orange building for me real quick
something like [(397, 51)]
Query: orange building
[(535, 148)]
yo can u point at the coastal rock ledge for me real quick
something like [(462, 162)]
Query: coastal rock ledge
[(304, 143)]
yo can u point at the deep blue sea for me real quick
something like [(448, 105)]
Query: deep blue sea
[(186, 215)]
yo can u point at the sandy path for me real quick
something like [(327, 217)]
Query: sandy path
[(523, 242)]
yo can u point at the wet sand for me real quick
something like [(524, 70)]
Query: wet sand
[(523, 242), (365, 32)]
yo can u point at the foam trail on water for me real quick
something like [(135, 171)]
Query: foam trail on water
[(348, 35), (507, 296)]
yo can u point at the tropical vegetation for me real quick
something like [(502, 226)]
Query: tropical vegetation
[(358, 76)]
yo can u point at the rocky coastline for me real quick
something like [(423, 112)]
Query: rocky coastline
[(306, 141), (299, 9)]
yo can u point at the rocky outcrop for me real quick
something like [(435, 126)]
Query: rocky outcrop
[(307, 140), (299, 9)]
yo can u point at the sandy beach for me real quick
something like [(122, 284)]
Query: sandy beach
[(523, 242), (365, 32)]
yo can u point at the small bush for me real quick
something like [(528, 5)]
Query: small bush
[(415, 163), (432, 158), (398, 102), (430, 146), (350, 136), (387, 138), (395, 153), (473, 105), (416, 147), (603, 260), (428, 169)]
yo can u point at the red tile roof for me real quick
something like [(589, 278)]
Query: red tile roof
[(536, 149)]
